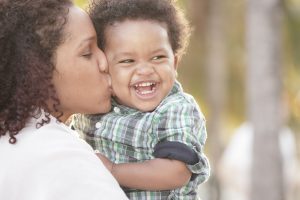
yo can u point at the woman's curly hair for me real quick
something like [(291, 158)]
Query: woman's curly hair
[(107, 12), (30, 32)]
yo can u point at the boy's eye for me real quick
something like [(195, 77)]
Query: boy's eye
[(158, 57), (127, 61)]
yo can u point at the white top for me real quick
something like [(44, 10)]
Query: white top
[(53, 163)]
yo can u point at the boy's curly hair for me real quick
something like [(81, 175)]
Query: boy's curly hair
[(30, 32), (107, 12)]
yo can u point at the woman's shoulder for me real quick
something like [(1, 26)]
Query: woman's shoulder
[(42, 145), (55, 156), (52, 134)]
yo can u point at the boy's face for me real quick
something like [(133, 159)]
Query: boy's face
[(141, 63)]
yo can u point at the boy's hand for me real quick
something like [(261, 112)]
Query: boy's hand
[(107, 163)]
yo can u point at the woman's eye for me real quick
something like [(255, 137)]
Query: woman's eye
[(127, 61), (87, 55)]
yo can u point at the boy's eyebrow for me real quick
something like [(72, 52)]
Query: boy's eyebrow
[(125, 53), (159, 50), (117, 55)]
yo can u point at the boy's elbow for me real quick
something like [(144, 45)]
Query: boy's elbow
[(183, 176), (182, 181)]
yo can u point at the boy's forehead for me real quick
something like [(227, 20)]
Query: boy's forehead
[(130, 33), (137, 39), (127, 21), (141, 29), (131, 25)]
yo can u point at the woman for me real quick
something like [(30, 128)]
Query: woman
[(50, 68)]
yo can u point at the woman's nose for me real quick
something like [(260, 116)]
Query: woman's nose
[(103, 66), (102, 62), (108, 79)]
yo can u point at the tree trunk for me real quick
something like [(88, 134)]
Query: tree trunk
[(264, 86), (198, 10), (215, 86)]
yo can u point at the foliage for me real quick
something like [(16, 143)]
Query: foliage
[(192, 72), (81, 3)]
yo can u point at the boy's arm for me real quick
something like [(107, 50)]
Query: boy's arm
[(155, 174), (182, 122)]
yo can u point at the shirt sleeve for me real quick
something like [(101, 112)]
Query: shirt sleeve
[(183, 125), (69, 170)]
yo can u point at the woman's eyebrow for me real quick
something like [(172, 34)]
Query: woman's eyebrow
[(86, 40)]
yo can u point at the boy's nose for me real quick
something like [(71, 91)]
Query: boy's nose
[(145, 69)]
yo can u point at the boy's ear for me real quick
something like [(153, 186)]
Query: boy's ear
[(176, 61)]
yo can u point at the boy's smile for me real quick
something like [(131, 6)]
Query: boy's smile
[(145, 89), (141, 62)]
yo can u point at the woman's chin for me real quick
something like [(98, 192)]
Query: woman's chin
[(103, 108)]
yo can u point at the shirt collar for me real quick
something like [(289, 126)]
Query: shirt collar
[(122, 109), (39, 115), (176, 88)]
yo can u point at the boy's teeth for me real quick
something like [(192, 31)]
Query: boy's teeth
[(146, 92), (145, 88), (145, 84)]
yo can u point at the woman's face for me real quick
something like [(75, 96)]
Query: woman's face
[(80, 79)]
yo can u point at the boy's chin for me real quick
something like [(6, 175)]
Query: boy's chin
[(147, 108)]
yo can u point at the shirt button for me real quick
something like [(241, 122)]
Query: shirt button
[(117, 110), (98, 124)]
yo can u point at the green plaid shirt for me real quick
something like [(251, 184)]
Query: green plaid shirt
[(128, 135)]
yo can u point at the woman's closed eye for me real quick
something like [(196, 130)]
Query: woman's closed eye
[(87, 55)]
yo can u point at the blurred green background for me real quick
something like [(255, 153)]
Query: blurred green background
[(230, 30), (192, 68)]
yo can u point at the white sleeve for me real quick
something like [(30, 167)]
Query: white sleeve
[(69, 170)]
